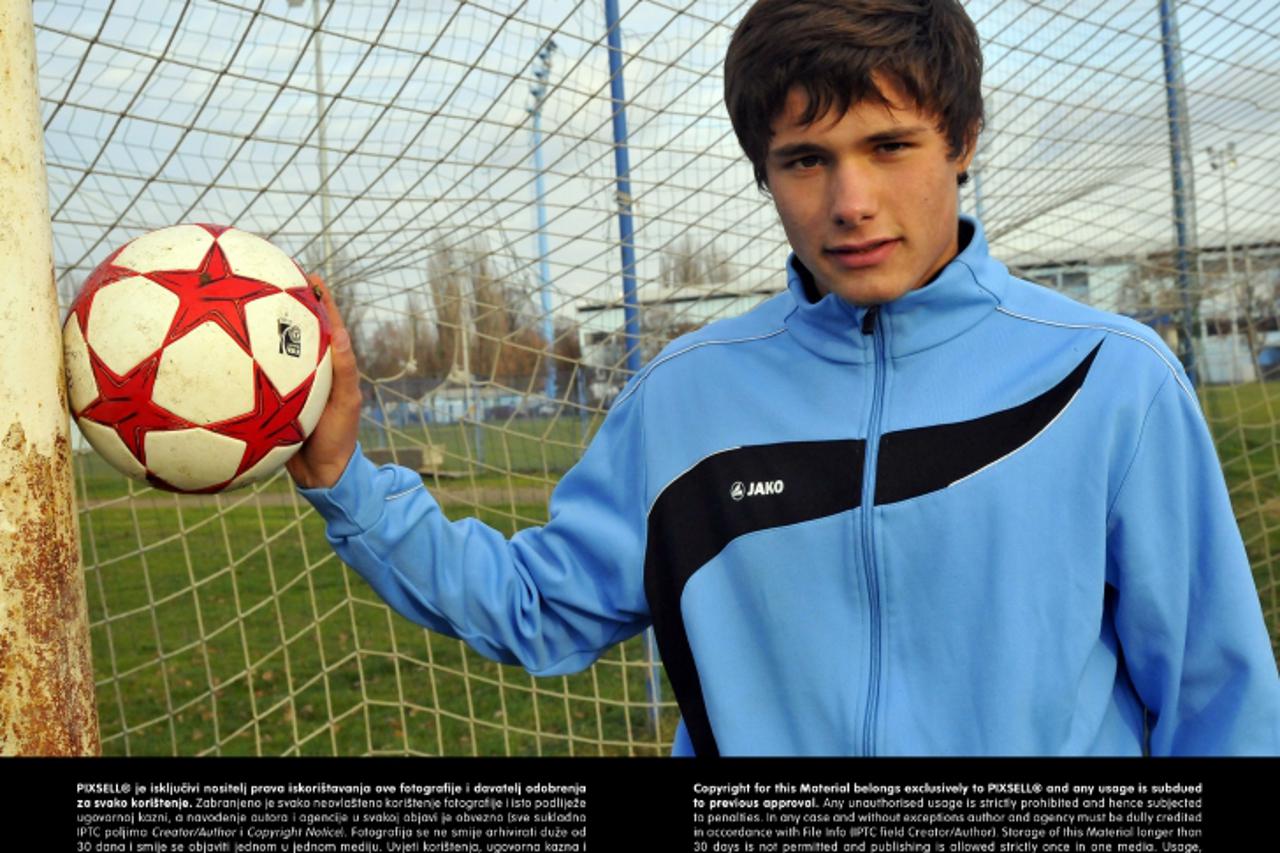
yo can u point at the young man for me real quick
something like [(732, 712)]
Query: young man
[(912, 505)]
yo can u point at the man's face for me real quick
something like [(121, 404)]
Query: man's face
[(867, 198)]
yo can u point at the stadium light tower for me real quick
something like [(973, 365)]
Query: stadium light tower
[(326, 240), (622, 168), (542, 76), (1220, 160), (1182, 178), (630, 302)]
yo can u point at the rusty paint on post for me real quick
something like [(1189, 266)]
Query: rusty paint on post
[(46, 676)]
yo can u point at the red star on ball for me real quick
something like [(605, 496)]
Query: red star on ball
[(105, 273), (272, 423), (211, 293), (124, 404)]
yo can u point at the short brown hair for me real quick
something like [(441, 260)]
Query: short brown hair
[(832, 48)]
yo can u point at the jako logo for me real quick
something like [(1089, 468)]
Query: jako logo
[(756, 488)]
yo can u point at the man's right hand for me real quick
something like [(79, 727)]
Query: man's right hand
[(325, 454)]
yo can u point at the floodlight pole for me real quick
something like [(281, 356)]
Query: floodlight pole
[(1184, 218), (542, 76), (622, 166), (1220, 160), (46, 673), (326, 240), (630, 305), (326, 221)]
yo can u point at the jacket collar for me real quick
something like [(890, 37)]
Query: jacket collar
[(962, 295)]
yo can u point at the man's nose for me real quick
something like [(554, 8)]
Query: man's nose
[(853, 195)]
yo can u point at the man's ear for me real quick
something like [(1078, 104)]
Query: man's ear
[(965, 159)]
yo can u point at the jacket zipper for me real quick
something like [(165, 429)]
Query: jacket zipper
[(871, 326)]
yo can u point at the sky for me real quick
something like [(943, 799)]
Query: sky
[(418, 136)]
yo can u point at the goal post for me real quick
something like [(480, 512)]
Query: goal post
[(46, 677)]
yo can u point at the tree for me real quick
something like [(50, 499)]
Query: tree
[(393, 347), (686, 264), (1148, 292), (567, 349), (491, 315)]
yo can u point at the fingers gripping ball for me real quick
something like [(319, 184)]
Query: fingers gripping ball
[(197, 358)]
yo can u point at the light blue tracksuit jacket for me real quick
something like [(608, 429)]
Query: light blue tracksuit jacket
[(980, 519)]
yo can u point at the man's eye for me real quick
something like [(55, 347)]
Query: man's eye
[(892, 147), (808, 161)]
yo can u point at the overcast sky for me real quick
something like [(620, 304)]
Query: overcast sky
[(161, 113)]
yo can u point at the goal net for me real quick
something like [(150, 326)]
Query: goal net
[(453, 172)]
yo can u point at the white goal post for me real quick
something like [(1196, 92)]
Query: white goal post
[(46, 683)]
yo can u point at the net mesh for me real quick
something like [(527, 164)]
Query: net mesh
[(410, 155)]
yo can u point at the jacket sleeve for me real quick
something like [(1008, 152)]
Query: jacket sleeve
[(551, 598), (1186, 611)]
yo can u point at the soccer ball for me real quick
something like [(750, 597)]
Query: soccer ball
[(197, 358)]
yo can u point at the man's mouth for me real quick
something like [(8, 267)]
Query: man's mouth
[(867, 253)]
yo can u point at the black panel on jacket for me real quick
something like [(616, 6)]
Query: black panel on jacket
[(721, 498), (915, 462)]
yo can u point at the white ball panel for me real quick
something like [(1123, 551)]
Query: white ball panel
[(180, 247), (128, 321), (319, 395), (107, 442), (252, 257), (270, 321), (266, 466), (81, 387), (205, 377), (193, 458)]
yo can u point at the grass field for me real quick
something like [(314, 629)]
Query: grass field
[(239, 632), (1245, 422), (226, 625)]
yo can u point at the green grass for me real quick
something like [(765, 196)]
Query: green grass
[(1245, 422), (238, 632), (518, 444), (227, 625)]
